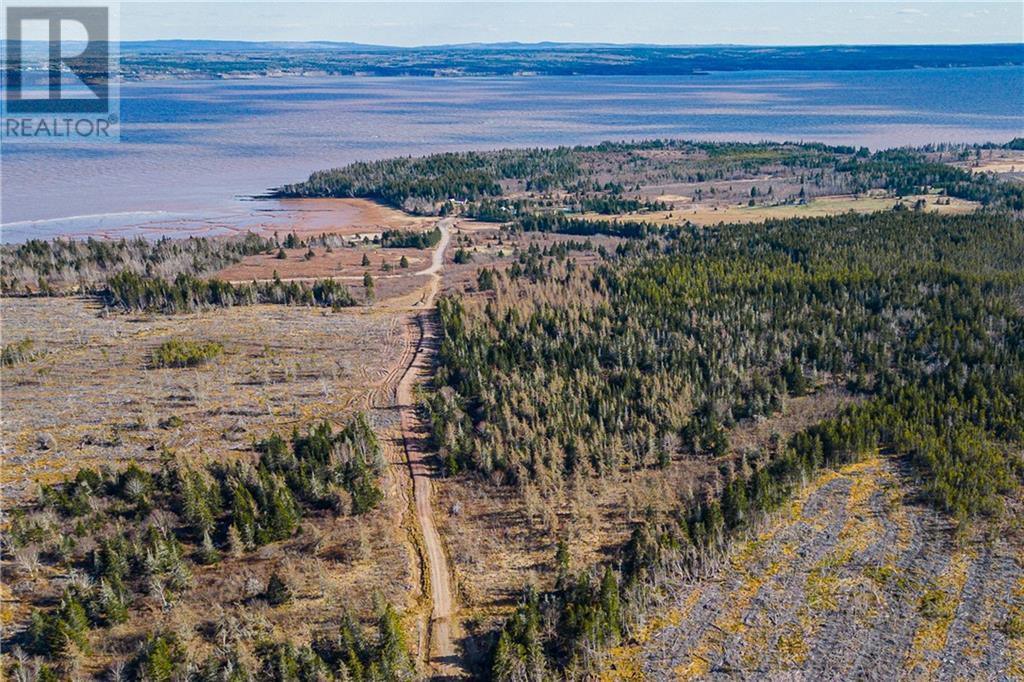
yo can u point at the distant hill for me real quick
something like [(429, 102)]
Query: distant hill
[(215, 59), (228, 59), (241, 46)]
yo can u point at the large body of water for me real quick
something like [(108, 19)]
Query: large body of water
[(193, 150)]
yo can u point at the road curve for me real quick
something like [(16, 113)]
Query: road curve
[(437, 259), (436, 264)]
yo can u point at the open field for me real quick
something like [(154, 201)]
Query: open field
[(357, 221), (90, 398), (282, 367), (714, 213), (344, 263), (850, 573), (998, 161)]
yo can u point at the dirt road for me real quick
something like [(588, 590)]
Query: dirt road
[(441, 647), (436, 264)]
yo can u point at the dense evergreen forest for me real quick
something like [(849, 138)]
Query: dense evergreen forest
[(653, 356), (560, 223), (130, 291), (413, 183), (130, 533), (405, 239)]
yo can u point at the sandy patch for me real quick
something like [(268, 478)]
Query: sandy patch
[(341, 216)]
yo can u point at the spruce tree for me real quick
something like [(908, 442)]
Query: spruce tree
[(208, 554), (277, 591), (394, 660)]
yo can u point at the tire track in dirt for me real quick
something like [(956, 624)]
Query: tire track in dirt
[(408, 451), (720, 612), (441, 647), (380, 394), (858, 582)]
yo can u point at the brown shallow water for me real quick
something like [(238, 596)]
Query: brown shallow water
[(196, 150)]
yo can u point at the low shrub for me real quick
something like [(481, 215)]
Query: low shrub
[(180, 353)]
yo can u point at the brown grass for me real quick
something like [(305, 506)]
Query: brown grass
[(712, 213), (91, 391), (998, 161), (343, 263)]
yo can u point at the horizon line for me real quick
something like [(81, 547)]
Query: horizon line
[(551, 43)]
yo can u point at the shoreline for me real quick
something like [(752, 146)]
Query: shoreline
[(264, 216)]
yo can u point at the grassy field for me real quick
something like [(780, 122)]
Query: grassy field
[(712, 214), (998, 161), (341, 263), (89, 398)]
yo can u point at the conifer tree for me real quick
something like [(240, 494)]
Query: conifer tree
[(395, 662), (277, 591)]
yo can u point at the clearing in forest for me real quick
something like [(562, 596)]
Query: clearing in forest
[(850, 573)]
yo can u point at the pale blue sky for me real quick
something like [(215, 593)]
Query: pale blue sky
[(676, 23)]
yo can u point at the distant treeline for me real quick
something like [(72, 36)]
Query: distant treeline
[(417, 183), (483, 182), (616, 204), (495, 210), (908, 172), (130, 291), (52, 267), (563, 224), (207, 59)]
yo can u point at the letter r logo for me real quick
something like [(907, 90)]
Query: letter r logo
[(91, 64)]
